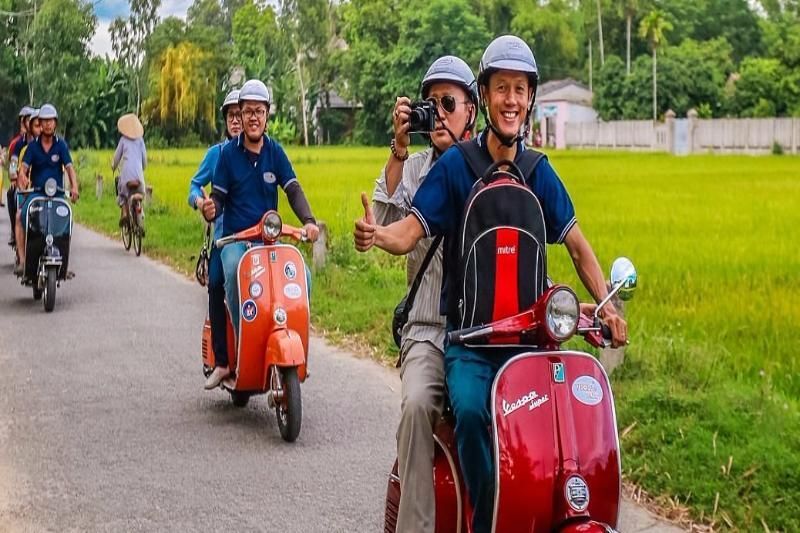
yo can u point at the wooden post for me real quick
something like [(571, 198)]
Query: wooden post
[(611, 358), (148, 194), (98, 187), (319, 250)]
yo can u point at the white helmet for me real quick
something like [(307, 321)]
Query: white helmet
[(254, 91), (230, 99), (34, 113), (508, 52), (48, 111), (25, 111)]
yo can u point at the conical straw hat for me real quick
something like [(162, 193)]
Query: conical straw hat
[(129, 126)]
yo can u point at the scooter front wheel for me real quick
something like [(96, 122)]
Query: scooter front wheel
[(289, 410), (50, 289)]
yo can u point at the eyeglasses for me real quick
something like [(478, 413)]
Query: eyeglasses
[(234, 116), (250, 113), (446, 102)]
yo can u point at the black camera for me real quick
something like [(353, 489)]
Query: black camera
[(422, 117)]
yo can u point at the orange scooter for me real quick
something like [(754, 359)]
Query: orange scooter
[(271, 352)]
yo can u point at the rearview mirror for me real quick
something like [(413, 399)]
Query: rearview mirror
[(623, 273)]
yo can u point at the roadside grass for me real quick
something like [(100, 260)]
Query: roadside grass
[(710, 386)]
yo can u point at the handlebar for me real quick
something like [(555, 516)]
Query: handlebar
[(253, 233)]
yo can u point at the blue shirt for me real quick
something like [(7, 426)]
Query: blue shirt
[(47, 164), (202, 178), (440, 200), (249, 182)]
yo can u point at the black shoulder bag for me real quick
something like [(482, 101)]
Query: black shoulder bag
[(403, 309)]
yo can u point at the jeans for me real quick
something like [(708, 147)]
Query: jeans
[(216, 308), (470, 375)]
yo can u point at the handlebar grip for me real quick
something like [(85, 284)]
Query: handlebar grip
[(605, 331), (457, 336)]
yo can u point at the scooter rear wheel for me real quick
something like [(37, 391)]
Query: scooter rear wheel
[(289, 410)]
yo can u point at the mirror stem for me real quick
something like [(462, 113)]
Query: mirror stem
[(607, 299)]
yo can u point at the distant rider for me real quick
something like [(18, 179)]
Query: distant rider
[(46, 157), (245, 186)]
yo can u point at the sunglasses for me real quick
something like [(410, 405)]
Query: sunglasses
[(446, 102)]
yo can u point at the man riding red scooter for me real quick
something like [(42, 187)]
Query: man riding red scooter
[(496, 259)]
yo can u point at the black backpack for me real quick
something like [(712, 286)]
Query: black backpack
[(501, 255)]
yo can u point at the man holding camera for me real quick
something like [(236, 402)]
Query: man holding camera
[(447, 115), (507, 82)]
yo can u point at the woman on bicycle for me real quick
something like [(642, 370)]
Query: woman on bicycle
[(132, 153)]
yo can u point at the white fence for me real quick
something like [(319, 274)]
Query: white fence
[(691, 135), (619, 134)]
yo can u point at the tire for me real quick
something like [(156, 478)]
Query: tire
[(127, 234), (289, 411), (137, 240), (239, 398), (50, 290)]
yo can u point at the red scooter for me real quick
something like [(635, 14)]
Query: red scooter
[(554, 428), (270, 355)]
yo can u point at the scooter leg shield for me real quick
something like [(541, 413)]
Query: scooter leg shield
[(587, 527)]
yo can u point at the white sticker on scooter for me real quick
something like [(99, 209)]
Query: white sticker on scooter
[(289, 270), (62, 211), (587, 390), (256, 289), (292, 291), (249, 310)]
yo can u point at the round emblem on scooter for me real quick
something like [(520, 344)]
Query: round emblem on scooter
[(249, 310), (280, 316), (577, 493), (256, 289)]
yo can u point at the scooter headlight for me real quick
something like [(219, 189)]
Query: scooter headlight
[(561, 314), (273, 225), (50, 187)]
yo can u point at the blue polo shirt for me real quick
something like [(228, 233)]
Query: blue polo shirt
[(440, 200), (249, 182), (47, 164)]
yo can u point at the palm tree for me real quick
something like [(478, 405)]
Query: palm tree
[(628, 10), (653, 27)]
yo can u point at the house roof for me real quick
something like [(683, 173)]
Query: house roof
[(337, 102), (567, 90)]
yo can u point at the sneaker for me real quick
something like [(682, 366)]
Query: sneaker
[(216, 377)]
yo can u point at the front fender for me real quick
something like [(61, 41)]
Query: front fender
[(285, 348)]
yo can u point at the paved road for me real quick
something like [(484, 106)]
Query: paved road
[(104, 425)]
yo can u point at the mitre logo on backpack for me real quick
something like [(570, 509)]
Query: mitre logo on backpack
[(502, 263)]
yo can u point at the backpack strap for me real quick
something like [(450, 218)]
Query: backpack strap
[(476, 157), (527, 162)]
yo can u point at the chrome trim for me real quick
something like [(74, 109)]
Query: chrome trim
[(456, 478)]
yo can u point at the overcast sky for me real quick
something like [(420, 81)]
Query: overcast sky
[(108, 10)]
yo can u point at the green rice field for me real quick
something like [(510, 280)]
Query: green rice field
[(709, 392)]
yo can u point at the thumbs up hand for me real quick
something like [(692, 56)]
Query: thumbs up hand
[(364, 233)]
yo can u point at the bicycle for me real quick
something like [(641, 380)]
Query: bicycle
[(132, 228)]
